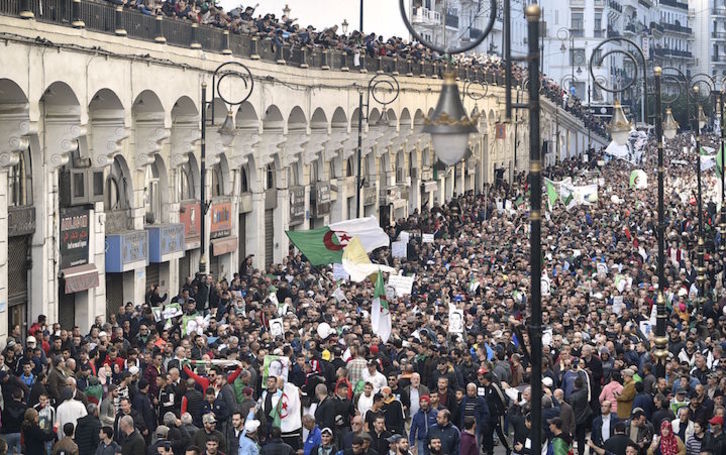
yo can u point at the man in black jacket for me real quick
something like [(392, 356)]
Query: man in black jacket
[(497, 408), (325, 413), (379, 436), (88, 428), (12, 417), (133, 442), (142, 404)]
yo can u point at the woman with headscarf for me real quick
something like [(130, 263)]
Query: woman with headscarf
[(667, 443)]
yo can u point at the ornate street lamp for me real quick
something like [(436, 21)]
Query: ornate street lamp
[(620, 127), (449, 126), (670, 126), (226, 70), (344, 26)]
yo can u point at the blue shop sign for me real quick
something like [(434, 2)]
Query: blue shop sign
[(166, 242), (127, 251)]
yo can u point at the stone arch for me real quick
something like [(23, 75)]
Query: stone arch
[(247, 117), (339, 117), (273, 119), (373, 116), (319, 120), (60, 103), (406, 121), (106, 119), (17, 146), (297, 121), (147, 101)]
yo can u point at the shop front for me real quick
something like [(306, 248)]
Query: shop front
[(319, 204), (21, 226), (77, 273), (127, 255), (166, 244), (190, 216), (222, 240)]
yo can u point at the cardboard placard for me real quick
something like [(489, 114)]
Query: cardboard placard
[(401, 284)]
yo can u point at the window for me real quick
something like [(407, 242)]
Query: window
[(577, 23), (292, 175), (597, 26), (244, 185), (349, 167), (597, 55), (152, 194), (217, 181), (116, 188), (270, 178), (20, 181), (331, 168), (314, 173), (186, 178)]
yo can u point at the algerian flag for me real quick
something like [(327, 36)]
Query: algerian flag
[(551, 193), (380, 314), (707, 162), (638, 179), (357, 263), (325, 245)]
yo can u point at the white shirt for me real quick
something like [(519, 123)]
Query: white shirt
[(605, 432), (377, 379), (364, 403), (414, 397), (69, 411)]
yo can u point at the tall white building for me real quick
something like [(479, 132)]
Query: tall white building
[(456, 22), (709, 17)]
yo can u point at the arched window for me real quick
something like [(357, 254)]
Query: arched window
[(314, 173), (187, 182), (116, 188), (20, 181), (293, 176), (152, 194), (217, 182), (331, 168)]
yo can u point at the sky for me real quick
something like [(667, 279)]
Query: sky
[(380, 16)]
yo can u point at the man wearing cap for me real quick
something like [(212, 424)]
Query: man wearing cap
[(327, 445), (626, 397), (200, 437), (715, 439), (375, 377)]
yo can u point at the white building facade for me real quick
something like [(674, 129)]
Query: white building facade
[(100, 162)]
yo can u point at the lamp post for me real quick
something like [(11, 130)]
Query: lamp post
[(564, 34), (226, 70), (344, 26), (722, 224), (380, 82), (449, 125)]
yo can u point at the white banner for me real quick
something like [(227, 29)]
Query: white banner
[(339, 273), (401, 284), (398, 249), (427, 238)]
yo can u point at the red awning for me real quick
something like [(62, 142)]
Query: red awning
[(224, 245), (80, 278)]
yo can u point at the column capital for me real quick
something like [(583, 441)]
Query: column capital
[(268, 146), (61, 138), (184, 137), (316, 143), (15, 126), (149, 137), (105, 139)]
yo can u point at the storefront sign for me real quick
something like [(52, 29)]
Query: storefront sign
[(127, 251), (166, 242), (74, 236), (427, 174), (369, 195), (501, 130), (21, 221), (224, 246), (221, 219), (322, 199), (297, 205), (190, 216), (80, 278)]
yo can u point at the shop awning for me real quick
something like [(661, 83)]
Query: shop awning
[(224, 245), (80, 278)]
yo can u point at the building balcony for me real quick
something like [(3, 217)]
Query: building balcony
[(425, 16), (674, 4), (615, 6), (662, 52), (678, 28), (718, 35), (646, 3), (718, 11)]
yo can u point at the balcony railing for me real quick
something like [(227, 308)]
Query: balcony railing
[(719, 11), (673, 53), (674, 4), (425, 16), (719, 35), (101, 17), (677, 28)]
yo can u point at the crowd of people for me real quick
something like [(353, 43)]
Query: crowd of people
[(285, 361)]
